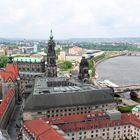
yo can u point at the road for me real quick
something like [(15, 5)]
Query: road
[(129, 102), (12, 130)]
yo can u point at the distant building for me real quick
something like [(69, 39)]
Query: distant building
[(76, 50), (26, 50), (3, 47), (2, 53), (39, 55), (9, 52), (35, 48), (70, 57)]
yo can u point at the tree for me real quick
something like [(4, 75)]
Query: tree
[(3, 61), (91, 67), (65, 65)]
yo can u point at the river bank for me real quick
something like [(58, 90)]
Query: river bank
[(109, 57)]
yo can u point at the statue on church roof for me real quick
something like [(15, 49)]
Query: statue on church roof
[(83, 70), (84, 62)]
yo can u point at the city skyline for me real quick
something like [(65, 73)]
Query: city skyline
[(69, 18)]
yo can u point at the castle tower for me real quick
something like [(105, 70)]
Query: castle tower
[(83, 70), (51, 58)]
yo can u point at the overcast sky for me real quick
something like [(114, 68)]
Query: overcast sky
[(69, 18)]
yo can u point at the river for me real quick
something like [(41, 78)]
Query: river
[(122, 70)]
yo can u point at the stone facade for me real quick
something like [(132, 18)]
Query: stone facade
[(109, 133), (83, 70), (51, 70), (67, 111)]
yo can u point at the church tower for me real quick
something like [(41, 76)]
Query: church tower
[(51, 58), (83, 70)]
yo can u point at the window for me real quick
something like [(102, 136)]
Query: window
[(85, 132), (107, 133), (96, 106), (39, 112)]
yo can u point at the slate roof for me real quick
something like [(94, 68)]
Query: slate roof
[(91, 97)]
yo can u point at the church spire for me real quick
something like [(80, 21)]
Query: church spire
[(51, 35), (51, 58)]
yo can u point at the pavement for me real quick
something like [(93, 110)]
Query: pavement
[(14, 123), (129, 102)]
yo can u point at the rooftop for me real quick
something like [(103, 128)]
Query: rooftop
[(27, 59), (61, 92), (42, 131), (59, 85), (10, 72), (6, 101), (93, 120)]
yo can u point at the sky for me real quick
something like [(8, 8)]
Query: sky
[(69, 18)]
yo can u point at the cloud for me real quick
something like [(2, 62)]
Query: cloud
[(69, 18)]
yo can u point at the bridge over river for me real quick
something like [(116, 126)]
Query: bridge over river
[(121, 89)]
